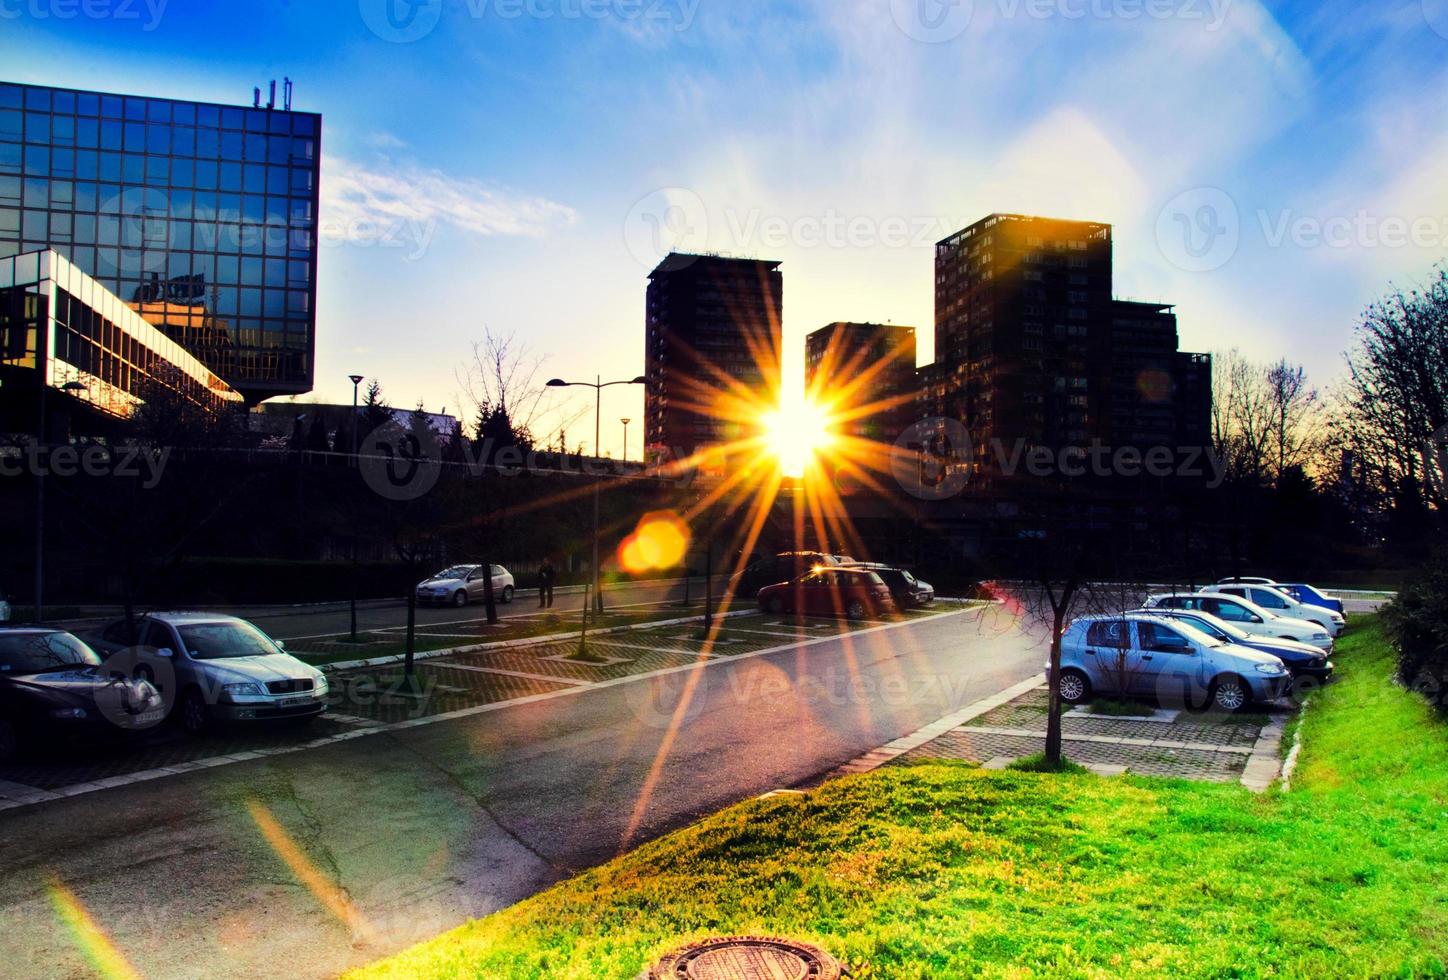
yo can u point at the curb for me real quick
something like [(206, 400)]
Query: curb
[(525, 641), (1265, 762), (892, 750)]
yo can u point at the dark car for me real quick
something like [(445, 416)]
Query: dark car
[(1300, 659), (851, 592), (783, 567), (52, 685), (907, 590)]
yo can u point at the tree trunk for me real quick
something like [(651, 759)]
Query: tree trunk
[(489, 600), (1053, 715)]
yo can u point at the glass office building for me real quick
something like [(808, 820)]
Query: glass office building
[(202, 218), (61, 329)]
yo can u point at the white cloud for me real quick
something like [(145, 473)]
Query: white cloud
[(354, 195)]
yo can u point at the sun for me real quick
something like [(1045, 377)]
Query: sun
[(796, 434)]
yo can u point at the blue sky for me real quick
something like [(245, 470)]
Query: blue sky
[(516, 164)]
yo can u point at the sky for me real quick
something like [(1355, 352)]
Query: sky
[(518, 166)]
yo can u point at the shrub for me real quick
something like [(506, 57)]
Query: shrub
[(1417, 623)]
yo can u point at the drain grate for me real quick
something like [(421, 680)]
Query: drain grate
[(747, 958)]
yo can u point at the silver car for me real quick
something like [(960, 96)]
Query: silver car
[(216, 668), (462, 584)]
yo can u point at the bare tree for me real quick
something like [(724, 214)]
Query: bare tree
[(503, 383), (1266, 419), (1296, 433), (1395, 399)]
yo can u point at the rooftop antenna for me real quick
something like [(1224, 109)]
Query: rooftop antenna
[(287, 94), (271, 102), (256, 97)]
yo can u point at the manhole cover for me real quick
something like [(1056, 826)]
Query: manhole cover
[(747, 958)]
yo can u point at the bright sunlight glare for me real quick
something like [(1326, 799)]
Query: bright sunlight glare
[(796, 433)]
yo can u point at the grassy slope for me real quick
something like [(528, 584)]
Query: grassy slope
[(943, 870)]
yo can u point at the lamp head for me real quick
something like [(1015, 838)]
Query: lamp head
[(557, 383), (356, 379)]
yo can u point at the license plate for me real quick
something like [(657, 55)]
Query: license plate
[(293, 702)]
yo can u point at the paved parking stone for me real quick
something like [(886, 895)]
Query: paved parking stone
[(1204, 746)]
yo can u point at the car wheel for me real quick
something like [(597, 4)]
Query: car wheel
[(1230, 693), (460, 598), (855, 610), (1075, 688), (195, 715), (9, 741), (507, 594)]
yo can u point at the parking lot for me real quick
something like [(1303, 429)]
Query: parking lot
[(1168, 742), (369, 700)]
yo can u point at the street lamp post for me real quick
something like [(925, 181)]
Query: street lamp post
[(356, 380), (625, 438), (597, 386)]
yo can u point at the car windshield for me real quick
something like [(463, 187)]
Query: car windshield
[(35, 653), (457, 571), (1196, 635), (225, 641)]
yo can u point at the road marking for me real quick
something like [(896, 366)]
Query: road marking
[(797, 636), (507, 673), (161, 772), (619, 644)]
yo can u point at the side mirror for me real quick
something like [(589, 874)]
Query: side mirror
[(166, 652), (1256, 619)]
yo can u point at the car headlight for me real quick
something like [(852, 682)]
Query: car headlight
[(1321, 635), (1272, 670), (244, 689), (319, 685)]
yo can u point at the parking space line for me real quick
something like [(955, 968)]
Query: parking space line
[(144, 775), (629, 646), (506, 673)]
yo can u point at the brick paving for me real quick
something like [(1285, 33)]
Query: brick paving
[(1205, 746)]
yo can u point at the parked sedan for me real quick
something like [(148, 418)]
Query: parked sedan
[(851, 592), (783, 567), (462, 584), (1310, 596), (225, 669), (1246, 615), (1144, 654), (908, 591), (1245, 580), (1279, 603), (1301, 659), (53, 685)]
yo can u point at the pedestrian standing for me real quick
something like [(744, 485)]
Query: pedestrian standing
[(546, 575)]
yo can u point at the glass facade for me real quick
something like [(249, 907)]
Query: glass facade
[(202, 218), (56, 318)]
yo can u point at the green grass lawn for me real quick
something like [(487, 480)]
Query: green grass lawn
[(943, 870)]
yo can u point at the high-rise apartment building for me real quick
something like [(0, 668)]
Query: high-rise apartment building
[(712, 351), (201, 217), (1031, 348), (865, 372)]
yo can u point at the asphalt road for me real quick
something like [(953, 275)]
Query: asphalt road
[(307, 863), (300, 622)]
